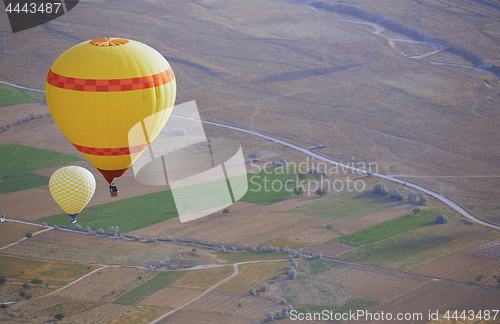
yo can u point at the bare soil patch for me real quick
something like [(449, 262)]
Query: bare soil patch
[(72, 238), (486, 299), (139, 315), (170, 297), (328, 249)]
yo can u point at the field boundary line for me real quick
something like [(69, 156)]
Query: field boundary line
[(75, 281), (24, 239)]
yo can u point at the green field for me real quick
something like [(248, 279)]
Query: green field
[(268, 186), (348, 205), (234, 257), (128, 214), (12, 96), (18, 160), (389, 228), (157, 283), (396, 248)]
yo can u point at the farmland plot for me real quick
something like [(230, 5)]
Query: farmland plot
[(106, 284), (374, 284), (12, 232), (242, 305), (328, 249), (190, 317), (171, 297), (139, 315)]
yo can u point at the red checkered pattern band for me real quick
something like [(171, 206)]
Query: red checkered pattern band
[(112, 85), (111, 151)]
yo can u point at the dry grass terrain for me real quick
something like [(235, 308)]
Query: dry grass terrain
[(203, 278), (254, 275), (12, 232), (116, 251)]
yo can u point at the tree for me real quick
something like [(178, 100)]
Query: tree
[(29, 235), (380, 188), (283, 301), (302, 176), (441, 219), (78, 227), (252, 291), (293, 264), (255, 155), (22, 293), (152, 239), (281, 161), (298, 191), (270, 316), (264, 287), (4, 306), (292, 274), (3, 279), (318, 255), (113, 230), (416, 211), (37, 281), (25, 285), (320, 192), (167, 238), (192, 239), (59, 316), (100, 231), (226, 211)]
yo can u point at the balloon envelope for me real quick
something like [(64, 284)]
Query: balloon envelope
[(99, 89), (72, 187)]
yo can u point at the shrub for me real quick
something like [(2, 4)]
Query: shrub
[(137, 237), (3, 279), (226, 211), (479, 278), (290, 308), (60, 316), (280, 162), (316, 171), (441, 219), (293, 264), (37, 281), (264, 287), (193, 238), (178, 131), (270, 316), (25, 285), (292, 274), (152, 239), (329, 226), (4, 306), (29, 235), (252, 291), (239, 304), (369, 173), (22, 293), (254, 249), (168, 238), (416, 211), (298, 191), (283, 301), (320, 192), (275, 277), (254, 155)]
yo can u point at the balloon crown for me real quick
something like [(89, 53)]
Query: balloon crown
[(109, 41)]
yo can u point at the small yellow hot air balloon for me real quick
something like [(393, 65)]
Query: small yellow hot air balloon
[(72, 187), (99, 89)]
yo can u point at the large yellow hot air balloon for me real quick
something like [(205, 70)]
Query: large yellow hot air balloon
[(99, 89), (72, 187)]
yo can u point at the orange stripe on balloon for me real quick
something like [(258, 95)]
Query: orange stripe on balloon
[(112, 85), (111, 151)]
